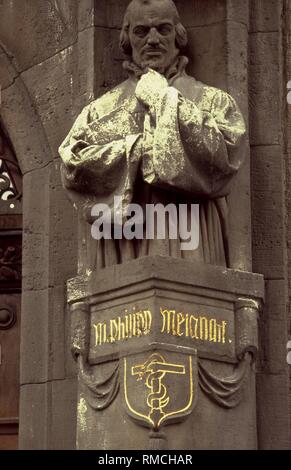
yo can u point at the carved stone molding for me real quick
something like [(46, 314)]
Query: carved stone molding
[(7, 318), (10, 178), (10, 263), (136, 323)]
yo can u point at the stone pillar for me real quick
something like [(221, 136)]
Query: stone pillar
[(37, 85), (143, 332), (268, 116), (73, 57), (170, 298)]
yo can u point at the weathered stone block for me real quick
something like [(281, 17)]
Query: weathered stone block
[(201, 13), (159, 307), (265, 15), (63, 246), (33, 432), (207, 54), (63, 423), (238, 11), (273, 417), (25, 130), (8, 73), (275, 340), (51, 24), (36, 229), (53, 86), (268, 212), (108, 60), (264, 89), (36, 337), (86, 75)]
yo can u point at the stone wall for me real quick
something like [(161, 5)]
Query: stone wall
[(38, 70), (267, 99), (287, 153), (58, 56)]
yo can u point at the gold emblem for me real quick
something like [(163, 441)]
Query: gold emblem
[(152, 390)]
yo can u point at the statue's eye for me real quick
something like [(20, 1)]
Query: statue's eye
[(141, 31), (165, 29)]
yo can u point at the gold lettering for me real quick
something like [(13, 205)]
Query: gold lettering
[(104, 333), (130, 327), (140, 324), (223, 331), (133, 325), (194, 329), (212, 330), (174, 315), (180, 321), (164, 315), (137, 324), (168, 321), (148, 321), (113, 331), (203, 328), (98, 334), (187, 325), (126, 327), (121, 329)]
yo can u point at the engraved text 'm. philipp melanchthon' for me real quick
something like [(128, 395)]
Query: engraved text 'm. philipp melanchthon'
[(136, 324), (159, 137)]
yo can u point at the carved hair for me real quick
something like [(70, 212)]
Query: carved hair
[(181, 33)]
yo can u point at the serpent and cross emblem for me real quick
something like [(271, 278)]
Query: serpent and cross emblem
[(153, 372)]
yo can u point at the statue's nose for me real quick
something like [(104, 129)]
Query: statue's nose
[(153, 37)]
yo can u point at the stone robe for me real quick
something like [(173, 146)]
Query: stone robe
[(186, 149)]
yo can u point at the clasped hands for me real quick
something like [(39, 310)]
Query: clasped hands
[(149, 88)]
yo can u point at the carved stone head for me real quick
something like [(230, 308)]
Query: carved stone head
[(152, 33)]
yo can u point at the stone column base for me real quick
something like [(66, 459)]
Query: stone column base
[(166, 351)]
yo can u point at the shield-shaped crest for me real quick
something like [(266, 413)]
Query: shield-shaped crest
[(160, 385)]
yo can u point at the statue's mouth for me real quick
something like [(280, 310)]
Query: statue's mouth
[(153, 54), (154, 51)]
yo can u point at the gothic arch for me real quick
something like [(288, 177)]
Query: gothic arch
[(20, 118)]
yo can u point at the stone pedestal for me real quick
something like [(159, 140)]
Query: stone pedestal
[(166, 355)]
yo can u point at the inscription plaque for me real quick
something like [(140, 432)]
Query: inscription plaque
[(114, 330)]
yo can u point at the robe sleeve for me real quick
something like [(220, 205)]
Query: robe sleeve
[(100, 159), (194, 150)]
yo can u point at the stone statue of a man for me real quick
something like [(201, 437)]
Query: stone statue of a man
[(160, 136)]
